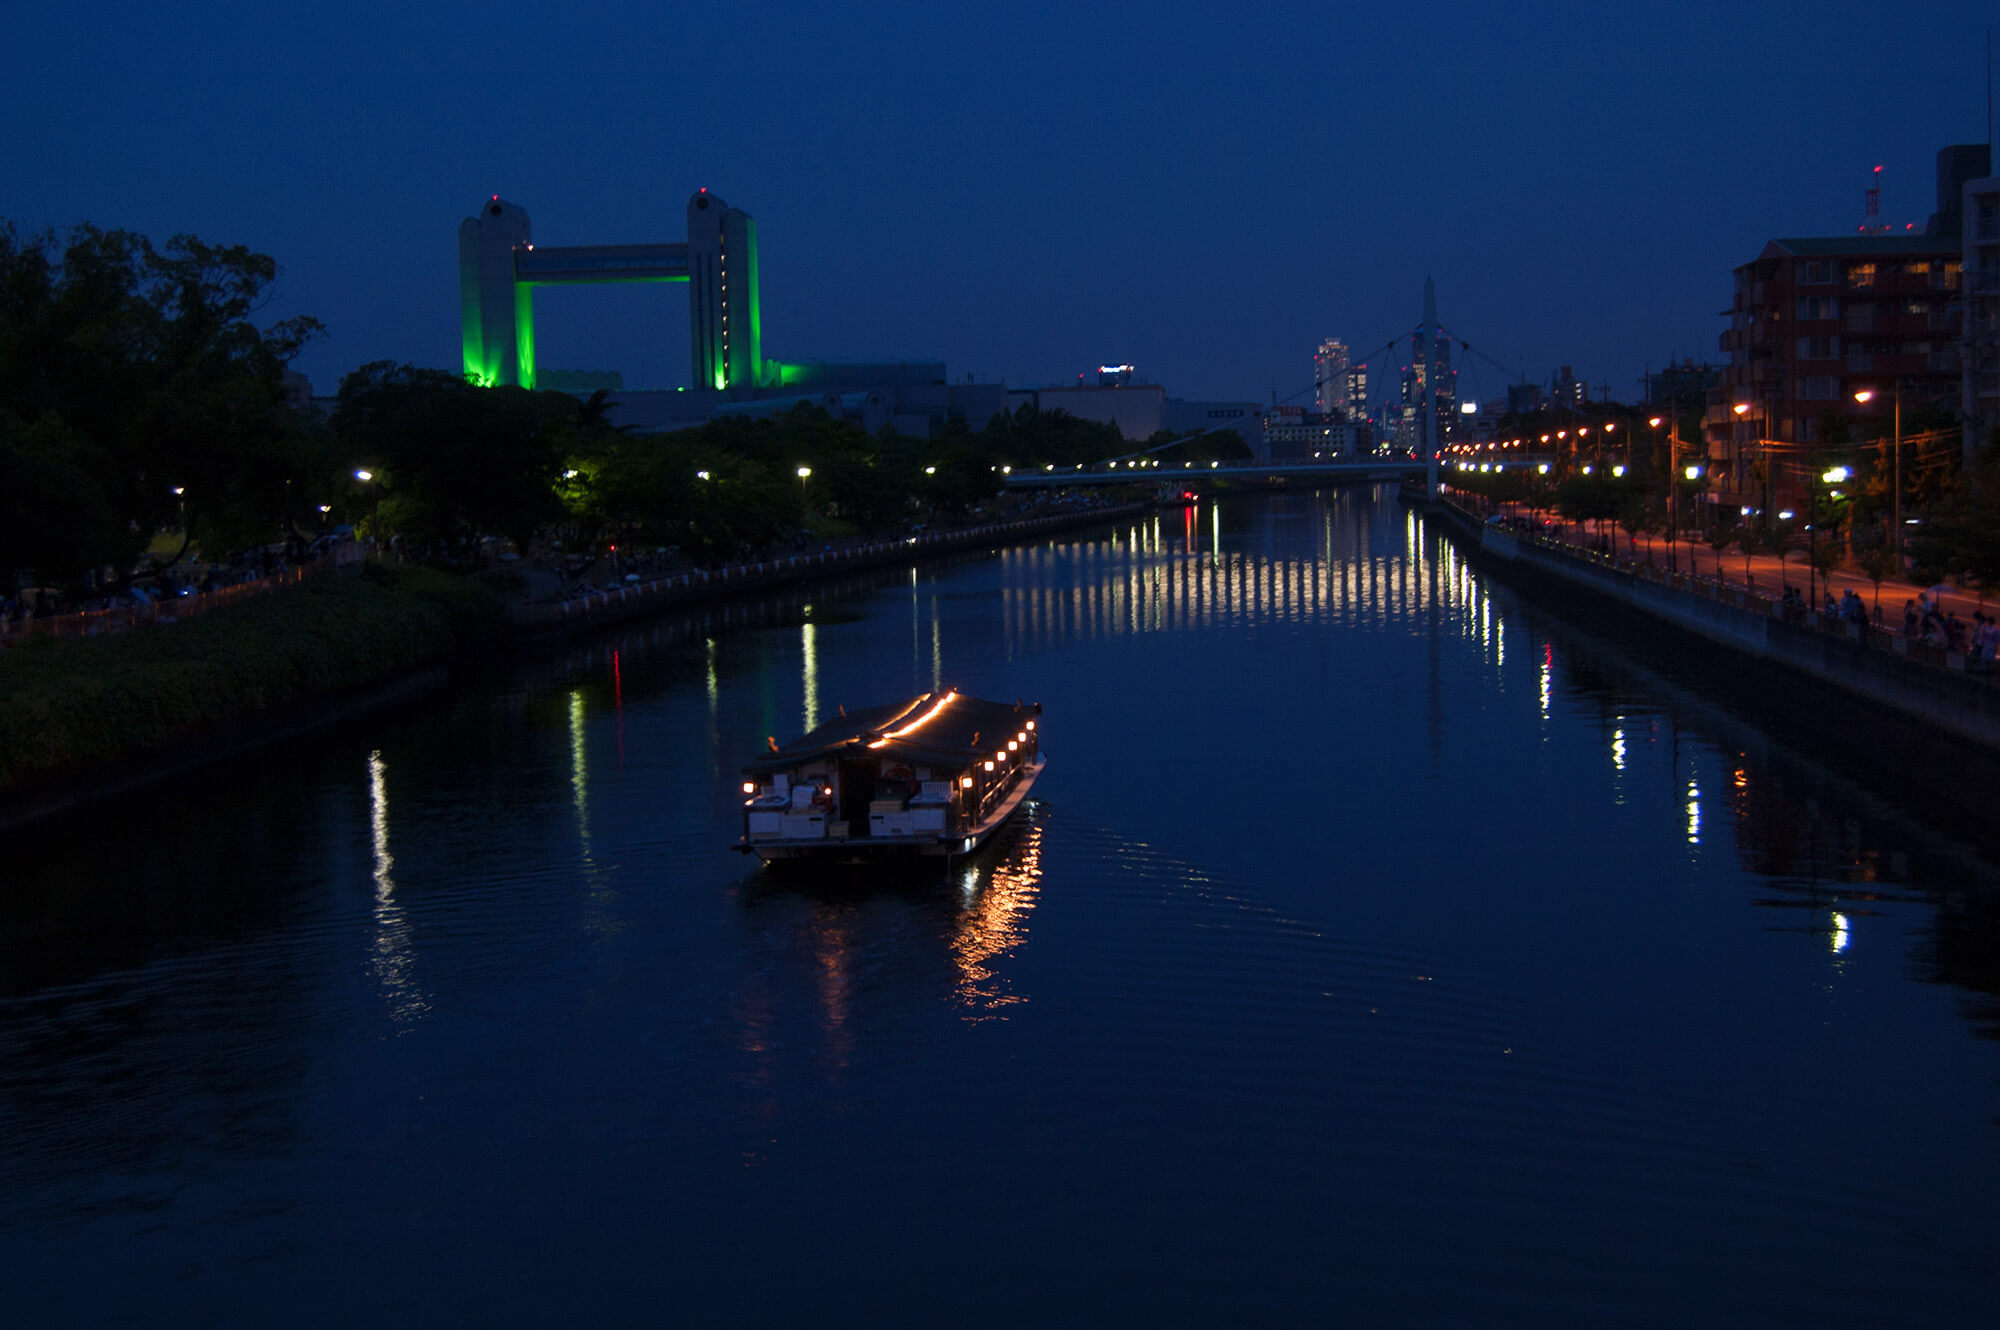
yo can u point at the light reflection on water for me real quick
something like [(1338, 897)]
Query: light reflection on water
[(393, 956), (1372, 931)]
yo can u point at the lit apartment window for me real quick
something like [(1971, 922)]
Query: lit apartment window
[(1945, 275), (1919, 268), (1860, 274)]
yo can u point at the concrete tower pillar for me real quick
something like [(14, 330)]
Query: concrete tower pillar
[(496, 313), (705, 310), (725, 330)]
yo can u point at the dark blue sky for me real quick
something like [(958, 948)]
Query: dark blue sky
[(1024, 190)]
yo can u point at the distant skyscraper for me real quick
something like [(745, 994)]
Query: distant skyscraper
[(1447, 390), (1331, 393), (1444, 388)]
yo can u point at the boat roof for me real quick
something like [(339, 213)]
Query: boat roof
[(942, 729)]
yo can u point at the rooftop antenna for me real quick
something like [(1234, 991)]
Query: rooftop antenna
[(1871, 220)]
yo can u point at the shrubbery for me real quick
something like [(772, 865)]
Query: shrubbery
[(63, 704)]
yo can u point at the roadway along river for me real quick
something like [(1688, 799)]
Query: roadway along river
[(1378, 946)]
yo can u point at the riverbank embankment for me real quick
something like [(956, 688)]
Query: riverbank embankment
[(1926, 727), (84, 722), (561, 619)]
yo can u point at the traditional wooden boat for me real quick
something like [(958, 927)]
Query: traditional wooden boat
[(935, 775)]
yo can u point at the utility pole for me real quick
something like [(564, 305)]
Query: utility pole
[(1674, 488)]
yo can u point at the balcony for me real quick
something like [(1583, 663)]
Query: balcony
[(1986, 228), (1944, 362)]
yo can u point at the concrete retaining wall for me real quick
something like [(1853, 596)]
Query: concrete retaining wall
[(1944, 696)]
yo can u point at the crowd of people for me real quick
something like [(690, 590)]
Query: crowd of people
[(1847, 607), (1926, 621)]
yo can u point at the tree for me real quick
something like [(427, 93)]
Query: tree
[(1721, 534), (454, 461), (1781, 539), (1753, 538), (1586, 498), (1880, 561), (128, 373), (56, 509)]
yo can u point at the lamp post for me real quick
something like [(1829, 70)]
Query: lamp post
[(1673, 487), (1830, 477), (1865, 396), (805, 492), (1742, 409)]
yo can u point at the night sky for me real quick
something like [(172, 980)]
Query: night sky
[(1022, 190)]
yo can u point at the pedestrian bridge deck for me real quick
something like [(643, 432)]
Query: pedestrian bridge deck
[(1104, 473)]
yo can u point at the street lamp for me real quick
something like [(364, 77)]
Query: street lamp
[(1742, 409), (1673, 490), (1831, 476), (805, 493), (1865, 396)]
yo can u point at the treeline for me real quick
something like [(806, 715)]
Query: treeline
[(139, 396)]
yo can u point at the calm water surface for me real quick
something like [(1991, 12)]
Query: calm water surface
[(1378, 943)]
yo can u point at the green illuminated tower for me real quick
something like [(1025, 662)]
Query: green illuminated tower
[(499, 267), (495, 311)]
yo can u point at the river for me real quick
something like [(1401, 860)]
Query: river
[(1379, 947)]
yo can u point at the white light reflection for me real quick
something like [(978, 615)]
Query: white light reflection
[(809, 649), (579, 771), (1548, 677), (1618, 749), (1694, 813), (1841, 934), (714, 683), (392, 959)]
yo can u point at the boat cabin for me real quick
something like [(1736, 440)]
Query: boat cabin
[(933, 774)]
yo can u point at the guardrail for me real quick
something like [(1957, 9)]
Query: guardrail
[(171, 609)]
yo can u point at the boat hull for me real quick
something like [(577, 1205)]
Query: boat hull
[(874, 849)]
